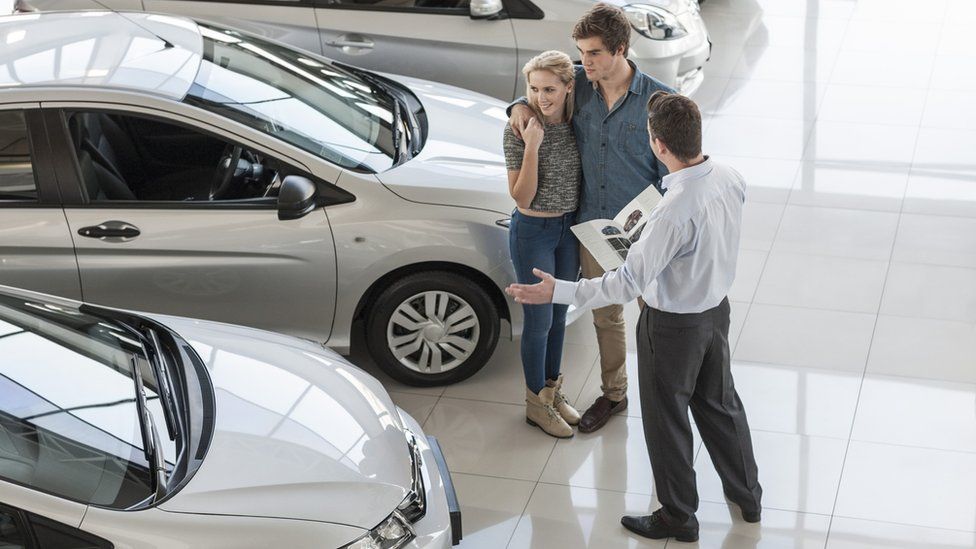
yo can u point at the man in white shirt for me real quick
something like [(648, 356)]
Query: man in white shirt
[(683, 266)]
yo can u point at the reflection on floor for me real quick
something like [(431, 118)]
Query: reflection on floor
[(854, 312)]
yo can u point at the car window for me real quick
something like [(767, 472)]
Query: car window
[(12, 535), (325, 109), (16, 170), (123, 157), (68, 417), (460, 6), (54, 535)]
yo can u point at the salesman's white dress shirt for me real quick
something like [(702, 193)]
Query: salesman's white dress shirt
[(684, 261)]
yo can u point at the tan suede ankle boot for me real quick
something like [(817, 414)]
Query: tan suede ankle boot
[(569, 414), (540, 412)]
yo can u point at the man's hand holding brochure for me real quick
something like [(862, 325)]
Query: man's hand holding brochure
[(610, 239)]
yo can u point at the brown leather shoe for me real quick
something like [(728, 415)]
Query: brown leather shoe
[(599, 413)]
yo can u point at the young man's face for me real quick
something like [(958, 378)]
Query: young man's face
[(598, 62)]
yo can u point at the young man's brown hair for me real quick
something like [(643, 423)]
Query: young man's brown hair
[(676, 120), (609, 23)]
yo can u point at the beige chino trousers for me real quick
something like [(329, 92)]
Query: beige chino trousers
[(611, 336)]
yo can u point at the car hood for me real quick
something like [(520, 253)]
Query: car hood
[(462, 162), (299, 433)]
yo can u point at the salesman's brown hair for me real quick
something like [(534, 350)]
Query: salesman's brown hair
[(675, 120)]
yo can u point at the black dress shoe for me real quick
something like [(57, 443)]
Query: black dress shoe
[(751, 516), (748, 516), (657, 526)]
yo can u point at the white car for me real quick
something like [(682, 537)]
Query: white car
[(119, 429), (480, 45), (150, 162)]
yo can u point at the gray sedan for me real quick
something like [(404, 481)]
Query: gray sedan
[(153, 163), (475, 44)]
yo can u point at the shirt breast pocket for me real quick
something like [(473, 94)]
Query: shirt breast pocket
[(635, 139)]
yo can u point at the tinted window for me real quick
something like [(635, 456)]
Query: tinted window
[(54, 535), (11, 532), (16, 171), (125, 157), (68, 421), (449, 5)]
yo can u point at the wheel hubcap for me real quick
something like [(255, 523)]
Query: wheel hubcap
[(433, 332)]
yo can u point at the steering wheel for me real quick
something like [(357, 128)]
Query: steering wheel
[(220, 184)]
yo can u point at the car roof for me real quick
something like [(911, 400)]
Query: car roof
[(158, 54)]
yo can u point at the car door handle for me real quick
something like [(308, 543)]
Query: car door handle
[(111, 229), (364, 44)]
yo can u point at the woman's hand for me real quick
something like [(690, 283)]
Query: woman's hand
[(533, 133)]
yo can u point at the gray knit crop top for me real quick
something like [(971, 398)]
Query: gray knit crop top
[(560, 170)]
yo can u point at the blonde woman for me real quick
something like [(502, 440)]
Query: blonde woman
[(544, 175)]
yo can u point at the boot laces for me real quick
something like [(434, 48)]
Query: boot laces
[(551, 411)]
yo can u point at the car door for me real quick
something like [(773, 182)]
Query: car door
[(432, 39), (36, 249), (160, 243), (289, 21)]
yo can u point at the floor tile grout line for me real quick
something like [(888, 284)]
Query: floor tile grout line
[(827, 310), (857, 259), (867, 356), (874, 331), (711, 501), (851, 372), (528, 501), (907, 524)]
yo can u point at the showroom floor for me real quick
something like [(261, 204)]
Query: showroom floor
[(854, 308)]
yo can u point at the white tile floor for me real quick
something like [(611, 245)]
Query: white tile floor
[(854, 123)]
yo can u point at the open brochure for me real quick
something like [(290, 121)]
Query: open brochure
[(610, 239)]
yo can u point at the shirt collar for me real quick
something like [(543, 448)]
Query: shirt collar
[(635, 82), (686, 174)]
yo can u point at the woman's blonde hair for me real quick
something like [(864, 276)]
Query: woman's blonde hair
[(559, 64)]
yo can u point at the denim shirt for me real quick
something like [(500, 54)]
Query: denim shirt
[(614, 146)]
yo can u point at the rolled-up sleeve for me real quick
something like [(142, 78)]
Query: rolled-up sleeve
[(658, 245)]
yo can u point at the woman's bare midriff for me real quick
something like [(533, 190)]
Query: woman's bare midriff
[(534, 213)]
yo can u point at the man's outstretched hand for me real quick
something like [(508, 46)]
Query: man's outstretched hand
[(534, 294)]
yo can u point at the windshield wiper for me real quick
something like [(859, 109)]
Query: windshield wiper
[(395, 128), (152, 449), (164, 384)]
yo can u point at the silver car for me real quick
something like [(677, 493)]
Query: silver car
[(151, 163), (120, 429), (476, 44)]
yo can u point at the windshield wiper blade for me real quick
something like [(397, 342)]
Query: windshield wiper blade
[(152, 449), (395, 128), (164, 384)]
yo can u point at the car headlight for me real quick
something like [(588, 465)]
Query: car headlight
[(392, 533), (414, 506), (654, 22)]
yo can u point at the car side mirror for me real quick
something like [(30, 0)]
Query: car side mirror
[(296, 198), (486, 9)]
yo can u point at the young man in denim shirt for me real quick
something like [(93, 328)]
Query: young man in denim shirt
[(611, 133)]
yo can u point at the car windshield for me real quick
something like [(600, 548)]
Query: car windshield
[(69, 421), (314, 105)]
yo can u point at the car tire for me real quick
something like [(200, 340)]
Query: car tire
[(432, 328)]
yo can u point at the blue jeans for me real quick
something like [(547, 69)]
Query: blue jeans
[(544, 243)]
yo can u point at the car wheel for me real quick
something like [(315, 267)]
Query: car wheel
[(432, 328)]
